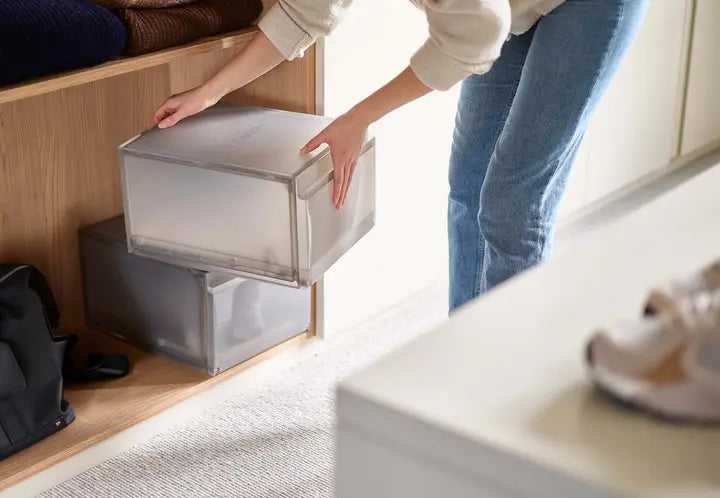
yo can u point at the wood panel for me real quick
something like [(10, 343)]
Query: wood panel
[(290, 87), (104, 409), (59, 172)]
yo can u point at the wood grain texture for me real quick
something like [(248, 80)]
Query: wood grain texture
[(124, 65), (104, 409), (290, 87), (58, 173)]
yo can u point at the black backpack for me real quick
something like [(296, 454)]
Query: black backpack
[(32, 406)]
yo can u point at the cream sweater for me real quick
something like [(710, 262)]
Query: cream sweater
[(465, 36)]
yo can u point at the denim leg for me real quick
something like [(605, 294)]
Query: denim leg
[(574, 53), (482, 110)]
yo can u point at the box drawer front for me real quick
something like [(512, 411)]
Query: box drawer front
[(326, 233), (219, 219), (251, 317)]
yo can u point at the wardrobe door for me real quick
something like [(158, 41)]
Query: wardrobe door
[(702, 108), (635, 128)]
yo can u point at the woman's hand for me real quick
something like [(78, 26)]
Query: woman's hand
[(345, 137), (184, 105)]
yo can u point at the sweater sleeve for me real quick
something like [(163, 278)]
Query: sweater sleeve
[(293, 25), (465, 37)]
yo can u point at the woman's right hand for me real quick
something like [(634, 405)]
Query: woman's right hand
[(184, 105)]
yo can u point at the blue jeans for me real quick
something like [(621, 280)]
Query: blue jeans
[(517, 130)]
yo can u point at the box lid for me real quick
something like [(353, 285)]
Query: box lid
[(249, 139)]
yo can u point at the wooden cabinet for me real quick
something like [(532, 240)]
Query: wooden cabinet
[(58, 172), (701, 124)]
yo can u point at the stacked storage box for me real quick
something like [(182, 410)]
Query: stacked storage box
[(226, 226)]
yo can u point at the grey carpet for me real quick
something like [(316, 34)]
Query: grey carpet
[(273, 440)]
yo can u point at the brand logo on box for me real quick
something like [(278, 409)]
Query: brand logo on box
[(247, 133)]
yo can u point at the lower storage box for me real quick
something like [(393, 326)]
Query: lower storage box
[(210, 320)]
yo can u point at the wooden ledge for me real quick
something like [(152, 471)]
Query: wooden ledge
[(116, 67)]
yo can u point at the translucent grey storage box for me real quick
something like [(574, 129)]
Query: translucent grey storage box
[(210, 320), (228, 190)]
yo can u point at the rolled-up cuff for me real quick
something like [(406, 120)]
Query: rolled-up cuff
[(283, 32), (437, 70)]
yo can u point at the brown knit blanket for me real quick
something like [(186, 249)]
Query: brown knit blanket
[(154, 29)]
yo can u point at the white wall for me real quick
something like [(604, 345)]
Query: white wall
[(406, 252)]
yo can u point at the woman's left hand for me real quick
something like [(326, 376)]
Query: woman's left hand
[(345, 137)]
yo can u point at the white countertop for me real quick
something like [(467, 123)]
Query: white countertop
[(505, 374)]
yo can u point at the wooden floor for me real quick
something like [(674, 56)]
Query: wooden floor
[(105, 408)]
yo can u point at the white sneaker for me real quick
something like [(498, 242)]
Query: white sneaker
[(679, 294), (666, 365)]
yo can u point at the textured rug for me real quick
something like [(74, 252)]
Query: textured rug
[(275, 439)]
